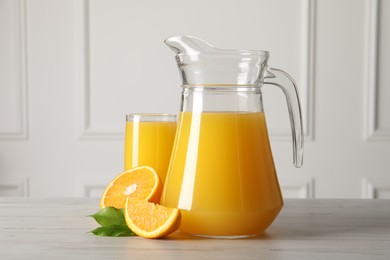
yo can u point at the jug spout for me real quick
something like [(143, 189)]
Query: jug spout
[(189, 45), (201, 64)]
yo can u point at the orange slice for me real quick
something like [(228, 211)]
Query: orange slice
[(151, 220), (141, 182)]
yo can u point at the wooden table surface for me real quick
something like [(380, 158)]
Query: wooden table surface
[(306, 229)]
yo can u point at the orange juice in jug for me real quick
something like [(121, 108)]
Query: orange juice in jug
[(222, 174)]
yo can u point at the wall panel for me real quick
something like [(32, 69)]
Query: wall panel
[(13, 72), (378, 78)]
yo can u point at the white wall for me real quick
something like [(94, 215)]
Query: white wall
[(71, 70)]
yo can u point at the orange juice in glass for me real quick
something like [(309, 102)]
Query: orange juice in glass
[(149, 140), (223, 177)]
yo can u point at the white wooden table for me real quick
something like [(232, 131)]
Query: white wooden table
[(305, 229)]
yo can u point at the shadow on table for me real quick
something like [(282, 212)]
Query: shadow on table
[(183, 236), (317, 224)]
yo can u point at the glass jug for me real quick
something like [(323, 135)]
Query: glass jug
[(221, 174)]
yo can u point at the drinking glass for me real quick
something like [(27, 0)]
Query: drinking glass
[(149, 140)]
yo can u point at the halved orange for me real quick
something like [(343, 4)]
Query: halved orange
[(140, 182), (151, 220)]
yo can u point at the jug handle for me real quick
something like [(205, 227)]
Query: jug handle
[(290, 90)]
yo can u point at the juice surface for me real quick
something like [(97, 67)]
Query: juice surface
[(149, 143), (222, 174)]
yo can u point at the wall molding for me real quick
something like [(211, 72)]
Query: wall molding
[(91, 186), (308, 22), (375, 189), (297, 186), (308, 74), (11, 186), (372, 130), (87, 131), (21, 133)]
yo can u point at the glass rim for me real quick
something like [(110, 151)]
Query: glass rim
[(151, 117)]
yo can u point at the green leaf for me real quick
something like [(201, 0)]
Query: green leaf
[(113, 231), (112, 223), (109, 216)]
